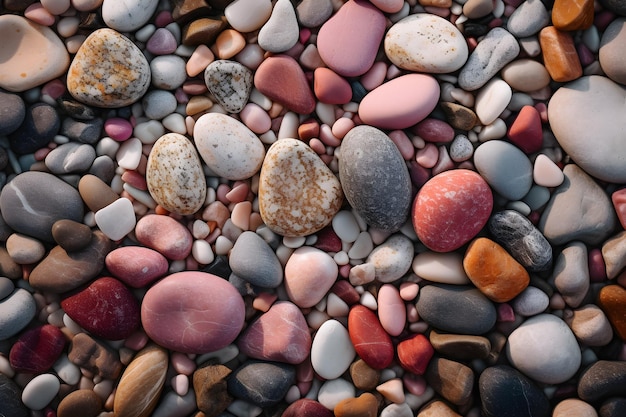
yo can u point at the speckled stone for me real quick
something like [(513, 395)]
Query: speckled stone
[(375, 178), (109, 71), (521, 239), (298, 193), (230, 83)]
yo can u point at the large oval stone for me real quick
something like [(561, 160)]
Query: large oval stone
[(370, 340), (193, 312), (375, 178), (592, 107)]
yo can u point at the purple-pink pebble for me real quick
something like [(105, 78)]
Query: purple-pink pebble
[(118, 129)]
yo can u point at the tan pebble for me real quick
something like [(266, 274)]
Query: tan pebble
[(459, 117), (437, 408), (363, 376), (95, 193), (202, 31), (24, 249), (590, 325), (450, 379), (574, 407), (229, 43), (209, 384), (526, 75), (198, 104), (392, 390), (83, 402)]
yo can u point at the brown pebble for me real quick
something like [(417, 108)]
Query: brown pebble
[(366, 405), (612, 300), (559, 54), (574, 407), (452, 380), (436, 3), (437, 408), (83, 402), (614, 254), (8, 267), (94, 356), (363, 376), (460, 346), (70, 235), (96, 193), (572, 14), (202, 31), (209, 384), (459, 117), (185, 11)]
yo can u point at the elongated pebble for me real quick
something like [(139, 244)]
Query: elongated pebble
[(332, 351), (40, 391)]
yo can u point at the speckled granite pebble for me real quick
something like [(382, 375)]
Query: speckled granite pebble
[(230, 83)]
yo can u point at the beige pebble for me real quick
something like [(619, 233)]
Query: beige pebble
[(229, 43)]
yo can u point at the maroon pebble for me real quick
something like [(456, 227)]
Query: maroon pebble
[(305, 407), (434, 130), (525, 132), (37, 349), (327, 240)]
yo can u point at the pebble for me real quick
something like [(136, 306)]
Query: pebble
[(10, 396), (312, 13), (493, 52), (281, 334), (493, 271), (588, 105), (95, 193), (391, 259), (591, 219), (332, 351), (571, 273), (174, 175), (450, 209), (574, 406), (37, 349), (381, 193), (70, 158), (492, 100), (136, 266), (24, 250), (521, 239), (559, 54), (157, 104), (391, 310), (209, 384), (547, 360), (440, 48), (40, 391), (139, 389), (127, 15), (309, 274), (162, 42), (17, 309), (330, 87), (12, 112), (590, 325), (250, 382), (305, 407), (165, 235), (167, 72), (460, 347), (298, 194), (365, 405), (456, 309), (126, 72), (83, 401), (241, 153), (401, 102), (578, 16), (33, 54), (611, 301), (505, 391), (369, 338), (187, 331), (117, 219), (415, 353), (280, 33), (602, 380), (530, 302), (106, 308), (349, 55), (505, 168), (230, 83), (94, 356), (613, 254), (450, 379), (613, 37), (528, 19), (70, 235), (247, 15), (334, 391), (461, 149), (526, 75), (264, 270), (546, 173), (437, 408), (6, 287), (41, 124), (444, 268)]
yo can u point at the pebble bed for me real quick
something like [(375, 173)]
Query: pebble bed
[(356, 208)]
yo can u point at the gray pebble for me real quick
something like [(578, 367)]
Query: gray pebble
[(76, 110), (261, 383), (84, 131), (602, 380), (263, 269), (12, 112), (168, 72), (6, 287), (505, 168), (461, 149), (39, 127), (528, 19), (159, 103), (103, 167), (280, 33), (10, 398), (537, 197), (530, 302), (312, 13), (230, 83), (70, 157), (16, 311)]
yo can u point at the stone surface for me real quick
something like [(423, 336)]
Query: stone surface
[(174, 175), (450, 209), (70, 158), (71, 235), (415, 353), (127, 15), (572, 16), (571, 273), (591, 219), (309, 274), (312, 13), (37, 349), (450, 379), (210, 388), (612, 40), (590, 325), (82, 402), (444, 268), (363, 376), (492, 99), (332, 351), (16, 311), (298, 193), (95, 192), (375, 178), (24, 250), (136, 266), (12, 112), (230, 83), (528, 19), (559, 54), (369, 338), (263, 269), (611, 301), (187, 329), (10, 402), (94, 356), (117, 219), (602, 380), (41, 123), (526, 75), (574, 406), (165, 235), (391, 259), (280, 33), (40, 391), (261, 383), (613, 251), (305, 407), (460, 347), (365, 405), (108, 70), (505, 167)]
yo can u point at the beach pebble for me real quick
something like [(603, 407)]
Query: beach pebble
[(95, 193), (401, 102), (613, 38), (12, 112), (174, 175), (227, 146), (165, 235), (83, 401), (10, 398), (158, 104), (105, 308), (456, 309), (505, 167), (574, 406), (450, 209), (94, 356), (578, 16), (312, 13), (375, 178), (530, 302), (70, 158), (177, 322), (492, 100), (391, 310), (17, 310), (559, 54), (426, 52), (162, 42), (365, 405), (37, 349), (591, 219), (391, 259), (349, 55), (117, 219), (611, 301), (209, 385), (32, 54), (334, 391), (127, 15), (415, 353), (546, 173), (261, 383), (40, 391), (529, 18), (6, 287), (24, 250), (298, 194), (330, 87), (306, 407), (71, 235), (547, 360), (125, 70), (444, 268), (309, 274), (281, 334), (167, 72), (332, 351), (460, 347), (602, 380), (280, 33), (452, 380), (590, 325), (571, 273), (492, 53), (613, 251), (248, 15), (370, 341), (264, 269), (526, 75), (136, 266), (230, 83), (41, 123)]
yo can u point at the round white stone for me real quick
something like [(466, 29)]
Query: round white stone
[(127, 15), (40, 391), (445, 268), (546, 173), (392, 259), (491, 100), (332, 351), (248, 15), (117, 219)]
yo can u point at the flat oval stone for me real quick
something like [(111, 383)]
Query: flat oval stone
[(230, 83), (32, 54), (108, 71), (16, 311), (309, 274), (602, 380), (165, 235), (174, 175), (591, 105), (349, 40), (400, 102), (505, 167), (263, 270), (549, 360), (375, 178), (10, 398), (332, 351), (227, 146), (529, 18), (391, 310), (127, 15), (40, 391), (452, 380), (96, 193), (37, 349), (82, 402), (450, 209), (136, 266), (425, 42), (456, 309), (263, 384), (368, 337), (248, 15), (192, 312), (526, 75), (45, 198), (298, 193)]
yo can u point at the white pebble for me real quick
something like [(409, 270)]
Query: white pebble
[(331, 351), (316, 318), (5, 367), (294, 242), (129, 154), (202, 252), (368, 300), (168, 72), (107, 146), (334, 391), (68, 26), (546, 173), (200, 229), (362, 246), (336, 307), (223, 245), (148, 132), (492, 99), (445, 268), (71, 325), (495, 130), (293, 394), (40, 391), (341, 258), (289, 126), (117, 219), (345, 226)]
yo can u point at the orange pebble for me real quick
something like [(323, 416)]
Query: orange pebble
[(612, 300), (572, 14), (559, 54)]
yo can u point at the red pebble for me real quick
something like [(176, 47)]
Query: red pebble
[(525, 132), (106, 308), (344, 290), (136, 266), (370, 340), (327, 240), (305, 407), (434, 130), (330, 87), (597, 267), (37, 349), (451, 208), (419, 174), (415, 353)]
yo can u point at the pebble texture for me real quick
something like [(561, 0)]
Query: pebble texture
[(230, 83)]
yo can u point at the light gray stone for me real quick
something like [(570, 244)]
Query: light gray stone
[(254, 261), (528, 19), (280, 33), (612, 45), (505, 168), (16, 311), (530, 302), (70, 158), (230, 83), (312, 13)]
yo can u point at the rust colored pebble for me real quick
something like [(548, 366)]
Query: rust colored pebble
[(572, 14), (437, 408), (526, 132), (415, 353), (559, 54), (366, 405), (309, 129), (330, 87), (612, 300), (370, 340), (344, 290), (83, 402), (305, 407)]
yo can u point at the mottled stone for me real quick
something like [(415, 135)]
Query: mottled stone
[(602, 380), (37, 349), (83, 402), (94, 356), (230, 83), (391, 259), (210, 387), (261, 383), (450, 379)]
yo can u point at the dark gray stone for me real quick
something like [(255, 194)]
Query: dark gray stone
[(70, 157), (602, 380), (375, 178), (456, 309), (77, 110), (12, 112), (10, 399), (521, 239), (40, 125), (33, 201), (505, 391), (616, 6), (613, 407), (254, 261), (103, 167), (88, 131), (261, 383)]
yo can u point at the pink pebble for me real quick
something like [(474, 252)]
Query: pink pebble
[(427, 156), (137, 340), (182, 364), (162, 42), (199, 60), (388, 6), (118, 129), (256, 118), (543, 111), (305, 34), (38, 14), (391, 310), (54, 89), (135, 179), (180, 384), (326, 136), (264, 301), (505, 313), (238, 193), (412, 315), (318, 146), (163, 19), (402, 141), (165, 235), (341, 127), (330, 87), (195, 87), (415, 384), (375, 76), (419, 174), (181, 96), (439, 11), (434, 130), (409, 290), (40, 154), (136, 266), (344, 270)]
